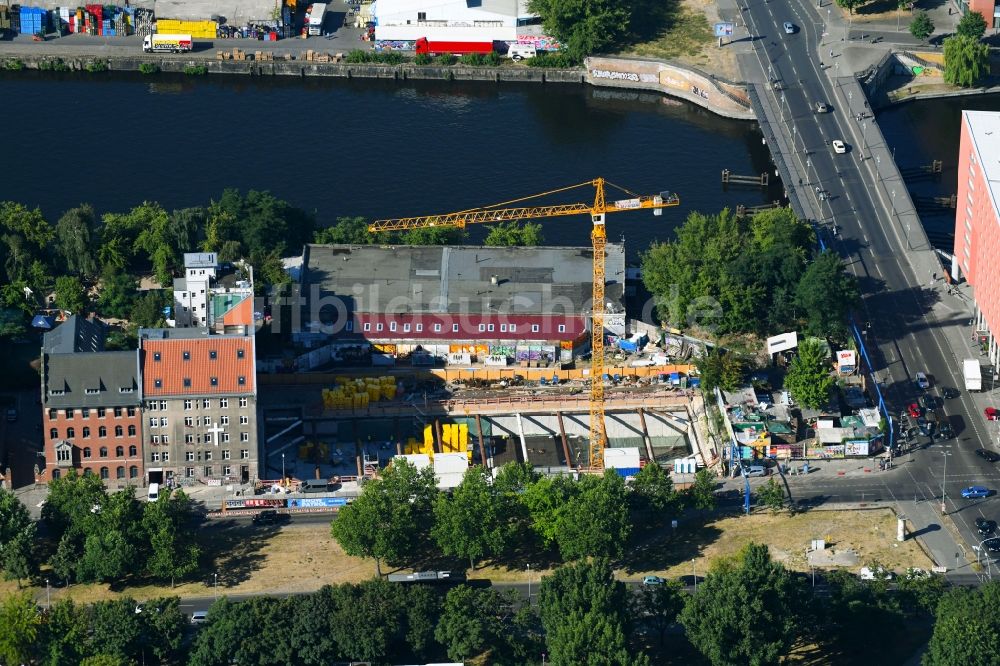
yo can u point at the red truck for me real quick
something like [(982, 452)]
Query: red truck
[(423, 45)]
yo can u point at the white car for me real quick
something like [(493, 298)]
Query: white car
[(839, 147), (867, 573), (922, 381)]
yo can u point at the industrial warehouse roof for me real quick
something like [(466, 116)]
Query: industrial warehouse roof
[(474, 279), (97, 379), (76, 334)]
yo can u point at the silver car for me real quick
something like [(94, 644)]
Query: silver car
[(789, 27)]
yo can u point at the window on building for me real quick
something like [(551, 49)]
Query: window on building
[(188, 404), (103, 452), (490, 328), (454, 328), (131, 411), (155, 456), (241, 380), (86, 432), (186, 355), (187, 382), (104, 473), (132, 451), (153, 406), (368, 326), (244, 437), (392, 326), (118, 412), (244, 454), (119, 452), (189, 439), (206, 404), (157, 383), (421, 16), (119, 431), (119, 472), (224, 403), (166, 439), (378, 326), (92, 391), (55, 474), (208, 470), (349, 326), (224, 420), (70, 413), (156, 356), (227, 470), (482, 328), (163, 405), (406, 328), (189, 456), (64, 455), (156, 439), (101, 412), (53, 414), (513, 328), (86, 453), (163, 421), (188, 422), (208, 455), (437, 328), (243, 402), (420, 328), (225, 454), (503, 328), (131, 431), (133, 472), (225, 437), (244, 419), (53, 433), (70, 433), (166, 456), (85, 412), (189, 472), (240, 353), (214, 381), (562, 328), (102, 432)]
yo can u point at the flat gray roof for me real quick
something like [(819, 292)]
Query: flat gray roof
[(112, 379), (443, 279)]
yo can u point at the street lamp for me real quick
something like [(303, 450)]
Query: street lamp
[(48, 596), (282, 469), (944, 473), (216, 576), (529, 584)]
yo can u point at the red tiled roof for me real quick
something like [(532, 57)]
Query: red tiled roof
[(172, 369)]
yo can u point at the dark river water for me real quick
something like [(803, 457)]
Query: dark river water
[(921, 132), (364, 147)]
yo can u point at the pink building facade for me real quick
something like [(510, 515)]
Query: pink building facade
[(977, 222)]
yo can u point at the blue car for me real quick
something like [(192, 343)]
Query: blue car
[(975, 492)]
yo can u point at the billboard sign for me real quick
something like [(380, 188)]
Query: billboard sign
[(316, 502), (724, 29), (783, 342)]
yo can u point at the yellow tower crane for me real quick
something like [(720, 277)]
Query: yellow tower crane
[(502, 212)]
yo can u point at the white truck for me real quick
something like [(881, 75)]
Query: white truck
[(163, 43), (314, 21), (973, 374)]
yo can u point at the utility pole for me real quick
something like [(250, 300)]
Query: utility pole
[(944, 473)]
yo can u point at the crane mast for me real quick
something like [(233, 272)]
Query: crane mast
[(598, 236)]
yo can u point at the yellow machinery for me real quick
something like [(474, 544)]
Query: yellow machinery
[(501, 212)]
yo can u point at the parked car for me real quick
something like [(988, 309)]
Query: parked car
[(789, 27), (989, 456), (756, 470), (653, 580), (949, 393), (976, 492), (992, 545), (269, 517), (991, 414), (945, 431), (928, 401), (199, 617), (839, 146), (913, 409), (922, 382), (868, 573), (985, 527)]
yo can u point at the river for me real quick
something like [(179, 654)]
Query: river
[(365, 147)]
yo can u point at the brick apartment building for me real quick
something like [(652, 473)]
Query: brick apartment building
[(977, 222), (199, 406), (91, 400)]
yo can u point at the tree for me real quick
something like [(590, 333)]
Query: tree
[(24, 235), (117, 294), (70, 502), (808, 377), (64, 636), (164, 629), (826, 294), (701, 493), (720, 368), (69, 294), (20, 625), (74, 242), (850, 4), (153, 240), (391, 518), (966, 630), (14, 517), (148, 310), (771, 495), (966, 60), (715, 620), (653, 497), (514, 234), (546, 499), (19, 561), (67, 556), (12, 323), (433, 236), (594, 522), (971, 25), (471, 621), (657, 606), (470, 521), (584, 26), (114, 539), (116, 629), (173, 553), (582, 608), (921, 26), (346, 231)]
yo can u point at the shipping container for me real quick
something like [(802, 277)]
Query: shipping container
[(315, 14), (455, 48)]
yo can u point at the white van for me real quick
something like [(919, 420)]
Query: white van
[(154, 492), (521, 51)]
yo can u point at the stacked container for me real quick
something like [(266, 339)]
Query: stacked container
[(34, 20)]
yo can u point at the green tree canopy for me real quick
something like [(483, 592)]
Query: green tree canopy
[(470, 522), (826, 294), (75, 240), (584, 26), (515, 234), (168, 523), (657, 607), (71, 500), (69, 294), (346, 231), (771, 495), (966, 60), (114, 540), (921, 26), (701, 493), (850, 4), (474, 621), (971, 25), (715, 617), (147, 309), (653, 498), (809, 375), (117, 294), (594, 521), (720, 368), (20, 626)]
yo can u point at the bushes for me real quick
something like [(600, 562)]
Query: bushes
[(96, 66), (56, 65), (446, 60), (149, 68), (13, 65), (422, 59), (474, 59), (556, 60), (359, 57), (196, 70)]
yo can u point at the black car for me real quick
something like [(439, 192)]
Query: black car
[(992, 545), (945, 431), (928, 401), (988, 455), (949, 393), (269, 517), (986, 527)]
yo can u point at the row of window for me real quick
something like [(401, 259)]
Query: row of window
[(207, 438), (483, 328), (199, 456), (206, 403), (208, 470), (197, 421), (213, 355), (213, 381), (85, 432), (133, 472), (63, 455), (85, 412)]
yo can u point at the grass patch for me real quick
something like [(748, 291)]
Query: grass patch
[(687, 34), (196, 70), (55, 65), (95, 66), (13, 65), (148, 68)]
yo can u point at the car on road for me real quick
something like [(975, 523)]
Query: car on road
[(789, 27), (756, 470), (928, 401), (822, 107), (914, 410), (199, 617), (976, 492), (991, 414), (922, 382), (945, 431), (985, 527), (653, 580), (949, 393), (989, 456), (992, 545), (839, 146), (11, 415), (269, 517)]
